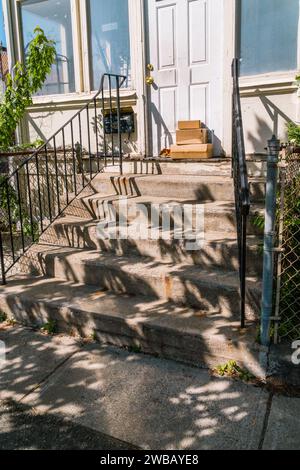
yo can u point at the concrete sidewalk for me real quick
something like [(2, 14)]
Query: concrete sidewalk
[(71, 395)]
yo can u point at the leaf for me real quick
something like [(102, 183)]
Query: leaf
[(25, 80)]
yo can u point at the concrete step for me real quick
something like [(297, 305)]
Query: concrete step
[(199, 188), (218, 215), (162, 166), (218, 249), (211, 290), (212, 166), (156, 327)]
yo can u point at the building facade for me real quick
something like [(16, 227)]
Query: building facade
[(186, 48)]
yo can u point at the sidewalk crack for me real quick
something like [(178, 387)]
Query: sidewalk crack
[(47, 376), (266, 421)]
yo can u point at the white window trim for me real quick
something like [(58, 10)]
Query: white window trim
[(77, 45), (76, 34), (268, 79), (86, 45), (86, 62), (273, 77), (7, 14)]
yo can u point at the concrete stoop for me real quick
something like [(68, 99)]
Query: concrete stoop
[(151, 294), (219, 249), (200, 188), (152, 326)]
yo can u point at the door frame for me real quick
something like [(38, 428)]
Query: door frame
[(229, 51)]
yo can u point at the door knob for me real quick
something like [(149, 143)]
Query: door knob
[(149, 80)]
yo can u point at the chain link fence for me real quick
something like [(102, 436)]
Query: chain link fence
[(287, 326)]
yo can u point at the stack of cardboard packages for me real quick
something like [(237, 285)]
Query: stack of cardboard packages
[(191, 142)]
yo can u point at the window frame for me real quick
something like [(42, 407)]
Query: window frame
[(87, 48), (277, 77), (82, 56), (75, 42)]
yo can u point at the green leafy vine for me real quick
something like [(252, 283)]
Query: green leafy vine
[(25, 80)]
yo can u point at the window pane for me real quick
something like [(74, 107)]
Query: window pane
[(110, 46), (269, 35), (2, 33), (54, 17)]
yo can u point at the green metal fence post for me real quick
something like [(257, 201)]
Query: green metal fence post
[(269, 237)]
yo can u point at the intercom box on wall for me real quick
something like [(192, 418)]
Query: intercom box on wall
[(126, 121)]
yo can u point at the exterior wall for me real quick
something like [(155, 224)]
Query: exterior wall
[(49, 113), (45, 118), (268, 102)]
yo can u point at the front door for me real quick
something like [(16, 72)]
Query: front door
[(185, 55)]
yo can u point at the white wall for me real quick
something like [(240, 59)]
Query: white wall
[(268, 102), (44, 119), (267, 108)]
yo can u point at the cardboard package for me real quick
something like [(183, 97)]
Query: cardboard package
[(182, 125), (191, 136), (189, 152)]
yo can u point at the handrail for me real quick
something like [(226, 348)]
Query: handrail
[(100, 91), (36, 193), (241, 185)]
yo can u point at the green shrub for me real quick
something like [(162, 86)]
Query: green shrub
[(293, 133), (232, 369), (25, 80), (50, 327), (3, 317)]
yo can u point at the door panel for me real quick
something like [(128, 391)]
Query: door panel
[(185, 49), (197, 31)]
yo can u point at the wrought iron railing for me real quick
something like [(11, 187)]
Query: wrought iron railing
[(38, 191), (241, 185)]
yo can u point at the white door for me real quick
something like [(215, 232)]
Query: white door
[(186, 52)]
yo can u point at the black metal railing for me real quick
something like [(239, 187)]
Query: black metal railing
[(36, 193), (241, 184)]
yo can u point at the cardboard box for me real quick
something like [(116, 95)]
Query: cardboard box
[(189, 152), (182, 125), (191, 136)]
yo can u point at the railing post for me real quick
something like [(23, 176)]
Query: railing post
[(119, 125), (2, 260), (269, 237), (243, 268), (241, 186)]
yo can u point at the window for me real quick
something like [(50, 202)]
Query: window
[(109, 38), (2, 33), (269, 36), (54, 17)]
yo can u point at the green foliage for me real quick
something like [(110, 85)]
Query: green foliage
[(41, 55), (293, 133), (289, 328), (50, 327), (23, 83), (3, 317), (11, 321), (136, 349), (290, 279), (232, 369), (28, 229), (5, 192), (20, 147), (259, 222), (94, 336)]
